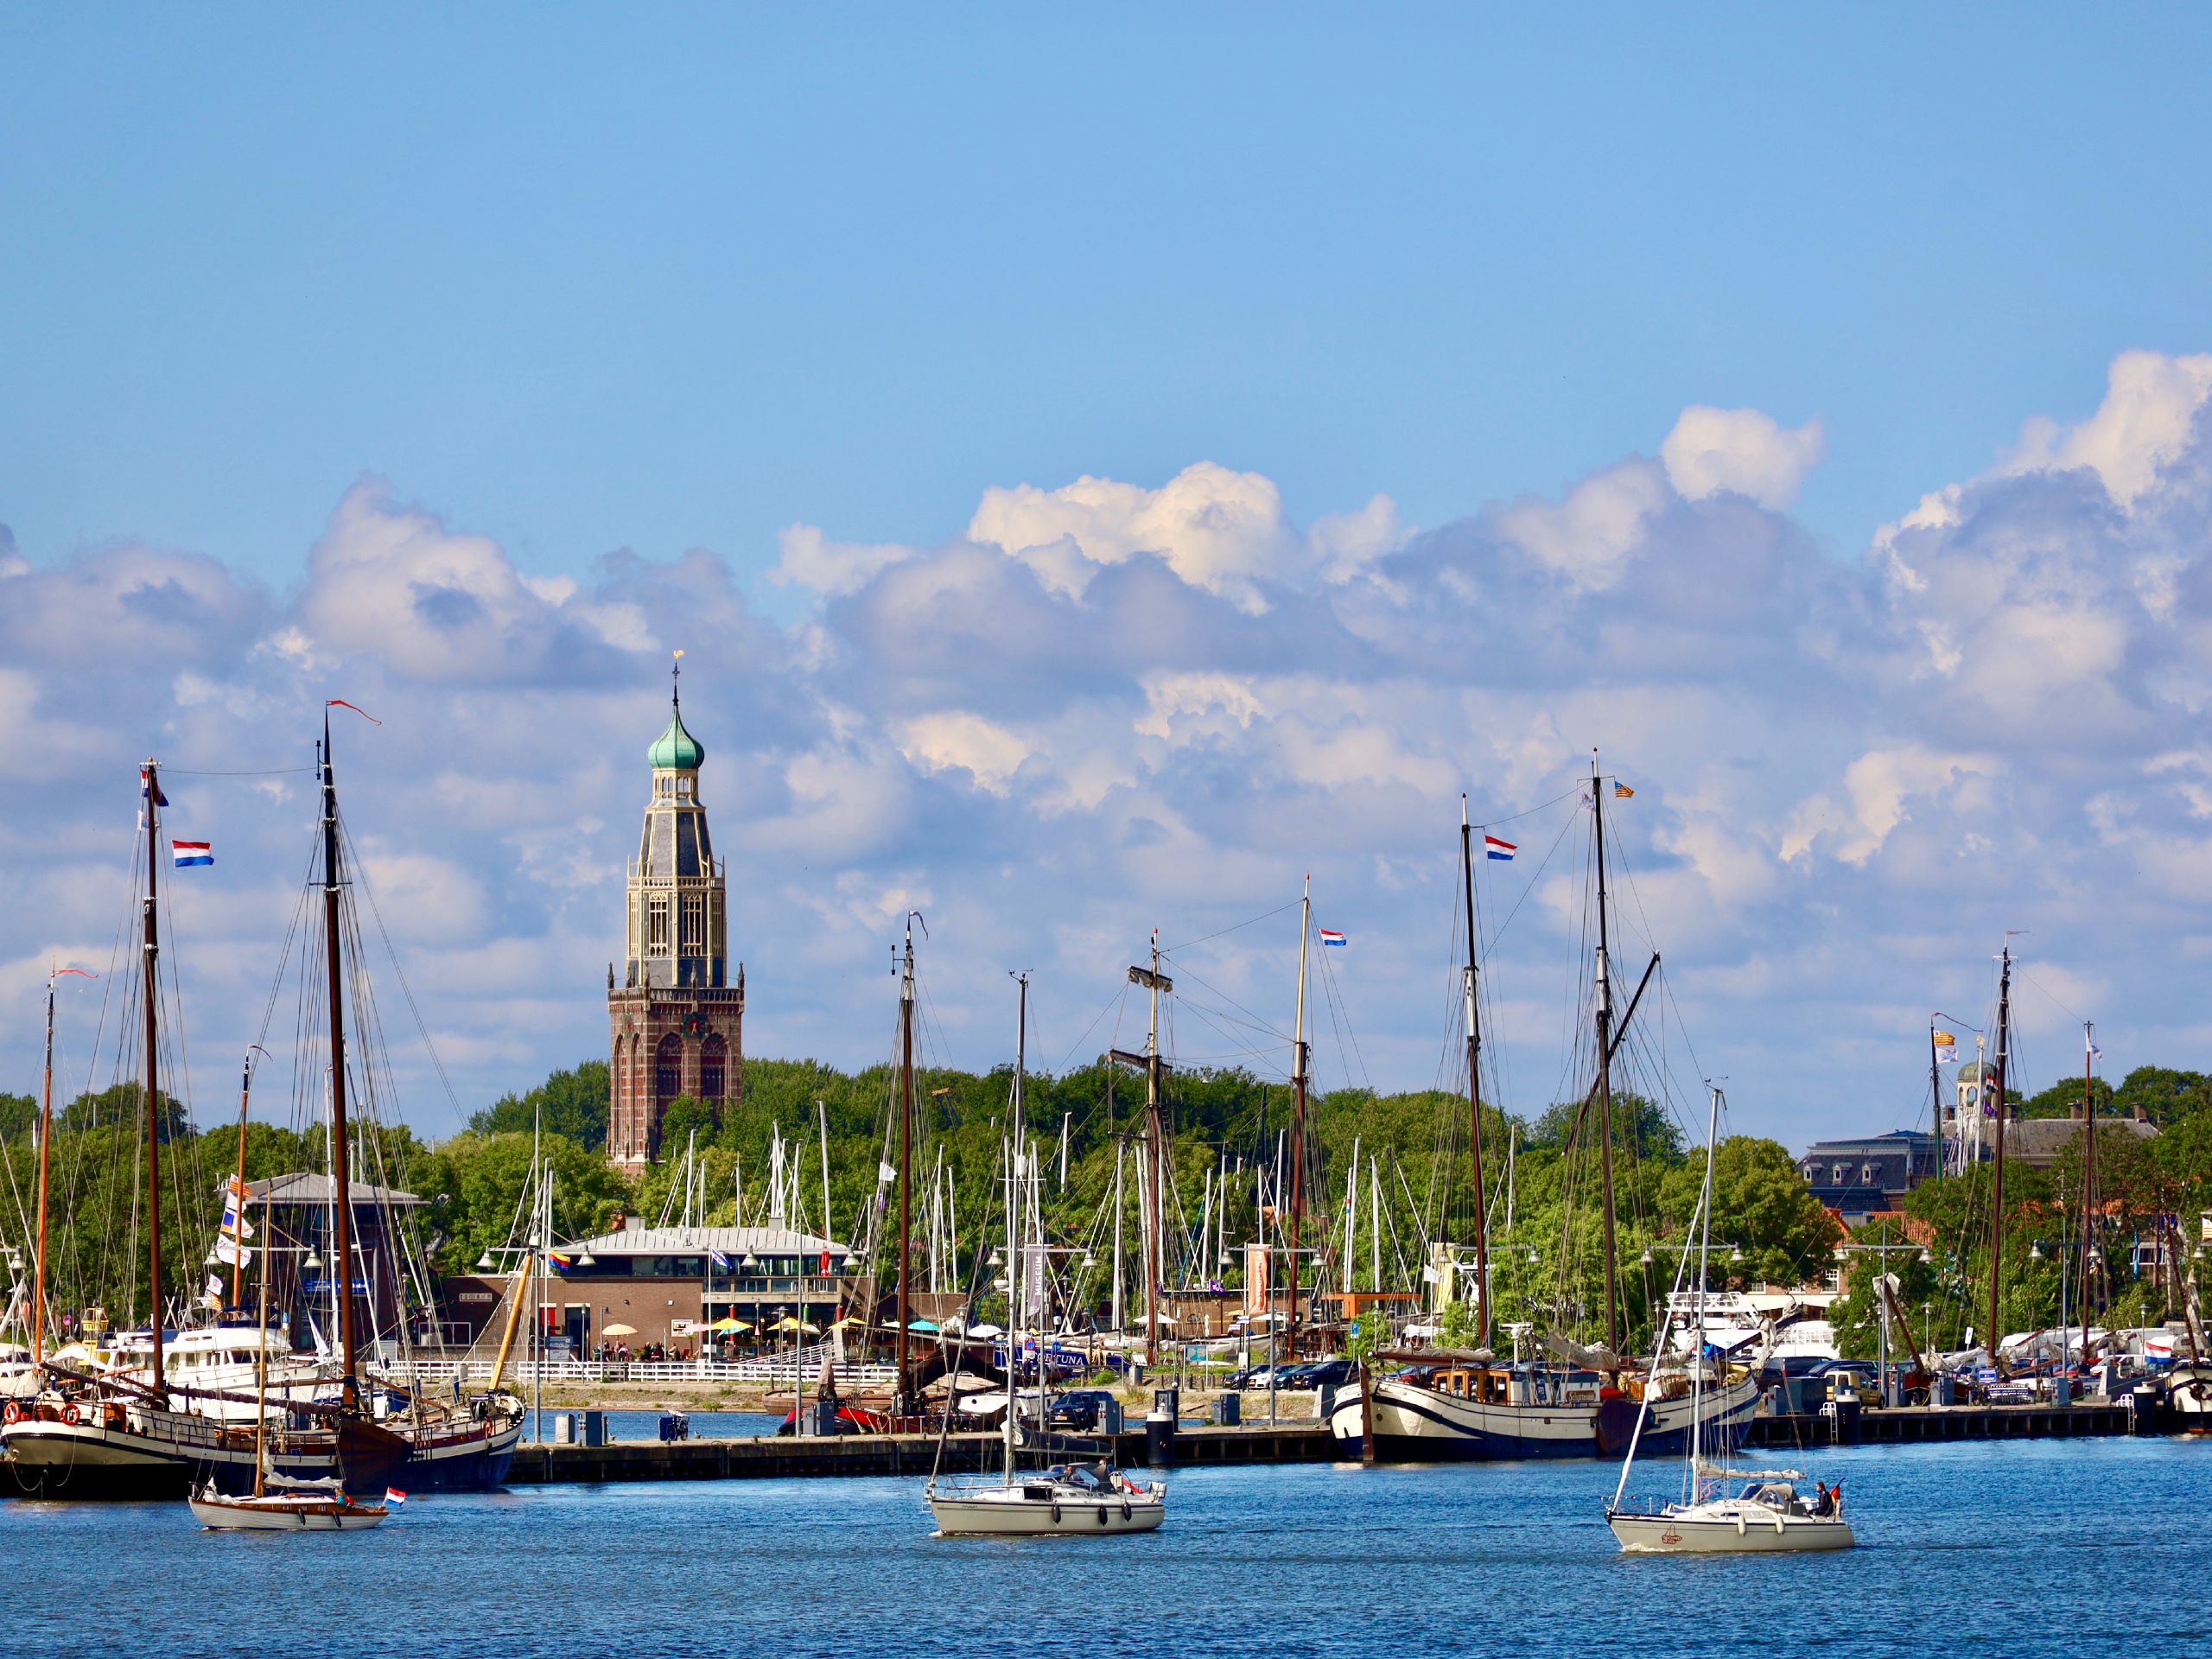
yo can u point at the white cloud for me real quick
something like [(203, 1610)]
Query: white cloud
[(2150, 410), (1219, 529), (1740, 450), (1111, 706), (1879, 788), (1589, 537), (809, 559), (954, 741)]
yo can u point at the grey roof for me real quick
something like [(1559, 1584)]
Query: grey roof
[(730, 1240), (318, 1189), (2044, 1137)]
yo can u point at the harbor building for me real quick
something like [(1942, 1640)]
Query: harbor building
[(294, 1219), (664, 1283), (1859, 1178), (677, 1013)]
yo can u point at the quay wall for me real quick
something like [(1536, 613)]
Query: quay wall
[(769, 1456)]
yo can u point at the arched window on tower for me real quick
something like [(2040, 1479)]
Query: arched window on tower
[(713, 1057), (668, 1069)]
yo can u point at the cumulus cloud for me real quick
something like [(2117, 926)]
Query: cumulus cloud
[(1588, 537), (809, 559), (2146, 422), (1222, 531), (1741, 450), (1110, 705)]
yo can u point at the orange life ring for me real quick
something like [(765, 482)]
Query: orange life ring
[(69, 1415), (12, 1412)]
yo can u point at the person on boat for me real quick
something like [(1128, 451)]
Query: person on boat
[(1826, 1505)]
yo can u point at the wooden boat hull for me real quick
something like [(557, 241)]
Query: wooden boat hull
[(1006, 1513), (314, 1514), (467, 1455), (139, 1453), (1751, 1530), (1417, 1425)]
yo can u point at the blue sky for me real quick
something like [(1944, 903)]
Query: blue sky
[(686, 278), (307, 315)]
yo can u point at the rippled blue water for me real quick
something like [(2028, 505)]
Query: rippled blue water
[(2025, 1549)]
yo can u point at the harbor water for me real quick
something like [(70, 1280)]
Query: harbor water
[(2014, 1549)]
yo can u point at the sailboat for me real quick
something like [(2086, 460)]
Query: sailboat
[(1470, 1405), (1722, 1511), (447, 1446), (279, 1506), (1077, 1499), (103, 1425)]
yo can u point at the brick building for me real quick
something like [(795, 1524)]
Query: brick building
[(677, 1013)]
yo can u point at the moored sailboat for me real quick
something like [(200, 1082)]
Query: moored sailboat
[(1583, 1400), (1722, 1511)]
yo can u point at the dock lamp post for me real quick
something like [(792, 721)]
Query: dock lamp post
[(1882, 1250)]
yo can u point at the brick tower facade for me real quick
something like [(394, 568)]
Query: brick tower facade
[(676, 1016)]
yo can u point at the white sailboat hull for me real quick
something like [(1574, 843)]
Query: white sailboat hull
[(1039, 1511), (1728, 1529)]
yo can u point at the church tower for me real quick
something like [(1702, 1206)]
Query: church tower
[(676, 1011)]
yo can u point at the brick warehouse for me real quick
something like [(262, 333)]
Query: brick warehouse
[(677, 1016)]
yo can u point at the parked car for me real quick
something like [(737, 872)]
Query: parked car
[(1079, 1410), (1329, 1374)]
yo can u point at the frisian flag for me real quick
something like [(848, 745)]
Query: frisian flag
[(719, 1259), (187, 853), (1493, 848), (1331, 936)]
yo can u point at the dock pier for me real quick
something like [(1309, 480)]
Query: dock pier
[(1211, 1445)]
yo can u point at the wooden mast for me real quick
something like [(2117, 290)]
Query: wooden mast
[(2088, 1173), (1997, 1179), (340, 1172), (1606, 1065), (906, 1155), (45, 1136), (150, 932), (237, 1188), (1297, 1125), (1474, 1086)]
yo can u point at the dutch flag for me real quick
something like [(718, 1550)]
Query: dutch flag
[(1495, 849), (1330, 936), (193, 852), (394, 1498)]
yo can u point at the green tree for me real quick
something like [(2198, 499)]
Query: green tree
[(572, 1103)]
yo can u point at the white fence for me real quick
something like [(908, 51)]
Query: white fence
[(782, 1370)]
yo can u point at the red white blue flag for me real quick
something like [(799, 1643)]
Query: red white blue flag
[(1493, 848), (1330, 936), (193, 852)]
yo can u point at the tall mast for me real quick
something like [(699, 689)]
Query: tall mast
[(906, 1150), (45, 1136), (2088, 1172), (1997, 1179), (1606, 1063), (149, 931), (1474, 1083), (341, 1191), (1935, 1100), (1298, 1118), (236, 1205), (1154, 1161)]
